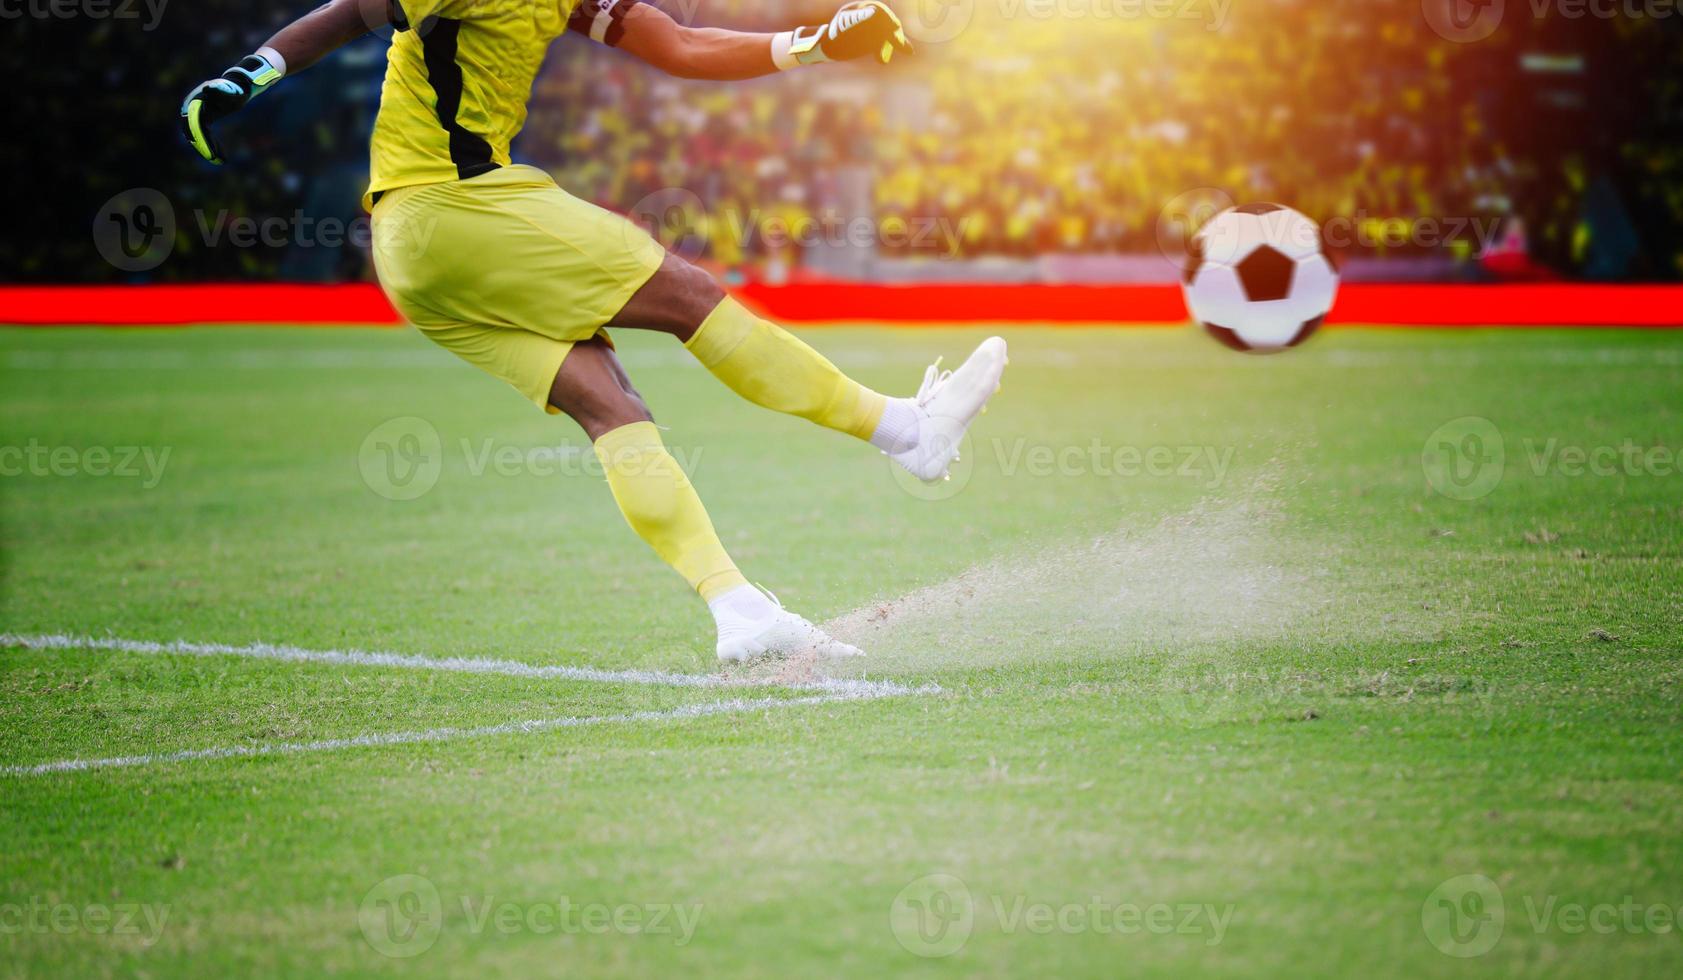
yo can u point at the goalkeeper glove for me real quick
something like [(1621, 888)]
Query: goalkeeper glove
[(864, 28), (221, 97)]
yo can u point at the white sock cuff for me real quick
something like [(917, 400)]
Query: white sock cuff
[(742, 603), (897, 431)]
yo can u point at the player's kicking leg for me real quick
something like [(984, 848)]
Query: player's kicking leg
[(659, 503), (772, 368)]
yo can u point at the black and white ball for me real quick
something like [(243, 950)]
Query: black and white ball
[(1260, 278)]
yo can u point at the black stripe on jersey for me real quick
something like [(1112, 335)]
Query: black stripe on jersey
[(469, 152)]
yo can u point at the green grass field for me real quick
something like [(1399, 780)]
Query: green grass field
[(1225, 686)]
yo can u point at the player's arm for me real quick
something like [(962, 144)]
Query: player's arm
[(294, 47), (861, 29)]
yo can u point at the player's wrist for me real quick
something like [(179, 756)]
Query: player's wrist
[(792, 49), (257, 72)]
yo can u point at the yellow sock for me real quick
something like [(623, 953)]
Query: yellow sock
[(659, 503), (770, 367)]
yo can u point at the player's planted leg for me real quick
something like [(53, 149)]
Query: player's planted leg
[(772, 368), (661, 505)]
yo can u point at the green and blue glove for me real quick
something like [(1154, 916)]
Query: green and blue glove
[(222, 97)]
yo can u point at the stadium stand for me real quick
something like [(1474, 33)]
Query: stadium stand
[(1022, 136)]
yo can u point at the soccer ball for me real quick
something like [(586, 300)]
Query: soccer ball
[(1260, 278)]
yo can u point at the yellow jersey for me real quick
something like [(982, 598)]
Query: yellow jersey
[(458, 76)]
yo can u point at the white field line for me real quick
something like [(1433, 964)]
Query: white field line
[(462, 665), (428, 735), (828, 690)]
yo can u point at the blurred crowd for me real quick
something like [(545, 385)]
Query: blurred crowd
[(1065, 126), (1028, 134)]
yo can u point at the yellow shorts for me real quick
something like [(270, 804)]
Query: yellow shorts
[(507, 271)]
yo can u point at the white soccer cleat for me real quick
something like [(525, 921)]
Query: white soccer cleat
[(778, 635), (948, 401)]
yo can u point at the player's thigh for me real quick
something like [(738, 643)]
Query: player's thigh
[(675, 300), (571, 266), (511, 249)]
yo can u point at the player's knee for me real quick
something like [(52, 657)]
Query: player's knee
[(601, 408), (598, 417), (693, 294)]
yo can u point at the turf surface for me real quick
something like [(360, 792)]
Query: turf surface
[(1226, 687)]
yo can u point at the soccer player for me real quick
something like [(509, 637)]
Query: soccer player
[(494, 262)]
